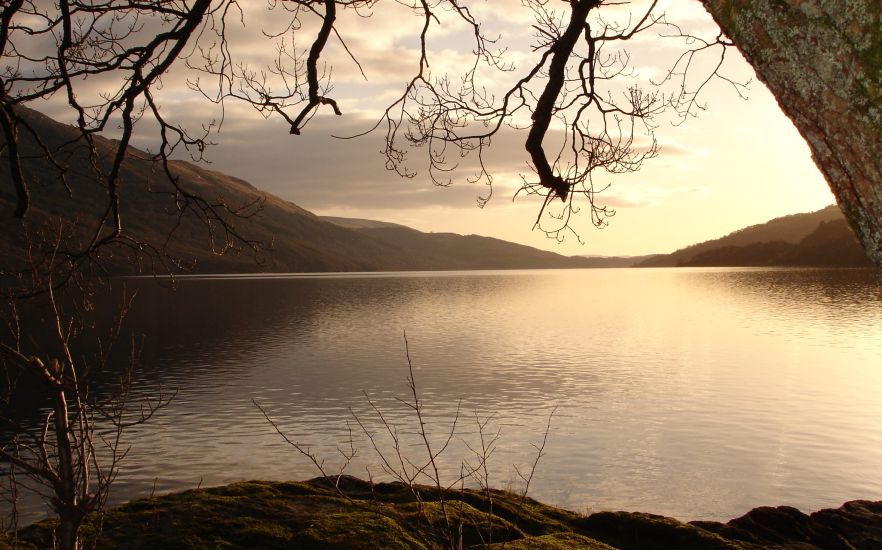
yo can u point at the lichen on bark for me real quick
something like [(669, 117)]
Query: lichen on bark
[(822, 59)]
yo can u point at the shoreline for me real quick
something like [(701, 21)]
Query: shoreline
[(348, 512)]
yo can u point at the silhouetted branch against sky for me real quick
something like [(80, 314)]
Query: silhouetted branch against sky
[(551, 99)]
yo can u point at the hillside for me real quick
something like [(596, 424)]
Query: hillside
[(617, 261), (359, 223), (821, 238), (432, 251), (292, 239)]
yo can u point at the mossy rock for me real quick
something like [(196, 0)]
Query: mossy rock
[(463, 522), (238, 516), (357, 530), (635, 530), (272, 515), (7, 543), (37, 535), (531, 517), (556, 541)]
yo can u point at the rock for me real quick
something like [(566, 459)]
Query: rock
[(352, 513), (635, 530)]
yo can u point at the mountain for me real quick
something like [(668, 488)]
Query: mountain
[(359, 223), (617, 261), (432, 251), (293, 239), (821, 238)]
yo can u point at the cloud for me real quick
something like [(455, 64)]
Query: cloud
[(642, 194), (330, 175), (669, 148), (318, 171)]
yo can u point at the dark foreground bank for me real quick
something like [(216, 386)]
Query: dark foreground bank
[(314, 514)]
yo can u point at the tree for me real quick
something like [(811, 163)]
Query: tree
[(576, 104), (52, 50), (73, 456), (823, 62)]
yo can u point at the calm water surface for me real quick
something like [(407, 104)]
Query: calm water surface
[(693, 393)]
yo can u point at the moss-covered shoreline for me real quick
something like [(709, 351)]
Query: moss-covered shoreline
[(315, 514)]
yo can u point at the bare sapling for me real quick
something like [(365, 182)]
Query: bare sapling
[(438, 502), (72, 457)]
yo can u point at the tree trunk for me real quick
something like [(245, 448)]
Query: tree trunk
[(68, 532), (69, 517), (822, 59)]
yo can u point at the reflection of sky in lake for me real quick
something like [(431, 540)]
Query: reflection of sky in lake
[(693, 393)]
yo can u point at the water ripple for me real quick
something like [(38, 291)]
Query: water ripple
[(694, 393)]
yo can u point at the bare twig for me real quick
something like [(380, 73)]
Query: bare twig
[(540, 452)]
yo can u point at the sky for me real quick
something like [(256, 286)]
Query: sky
[(740, 162)]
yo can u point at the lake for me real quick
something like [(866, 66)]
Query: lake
[(694, 393)]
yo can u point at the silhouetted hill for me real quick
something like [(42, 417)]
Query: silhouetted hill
[(359, 223), (832, 243), (430, 251), (618, 261), (463, 249), (294, 239), (821, 238)]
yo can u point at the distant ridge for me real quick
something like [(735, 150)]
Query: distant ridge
[(436, 251), (294, 239), (617, 261), (822, 238), (359, 223)]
